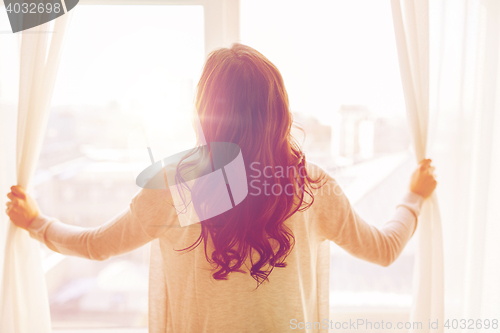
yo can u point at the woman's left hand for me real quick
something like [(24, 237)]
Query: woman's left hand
[(22, 208)]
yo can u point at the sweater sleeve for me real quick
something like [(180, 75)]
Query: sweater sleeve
[(145, 219), (338, 221)]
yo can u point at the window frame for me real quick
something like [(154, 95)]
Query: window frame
[(221, 29)]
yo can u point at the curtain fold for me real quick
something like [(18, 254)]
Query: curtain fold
[(23, 296), (411, 27), (465, 112), (460, 40)]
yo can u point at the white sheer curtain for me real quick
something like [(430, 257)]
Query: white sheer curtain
[(449, 56), (411, 26), (465, 135), (23, 296)]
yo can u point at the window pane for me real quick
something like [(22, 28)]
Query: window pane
[(126, 82), (339, 64)]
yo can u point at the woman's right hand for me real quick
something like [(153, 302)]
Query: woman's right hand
[(22, 208), (422, 180)]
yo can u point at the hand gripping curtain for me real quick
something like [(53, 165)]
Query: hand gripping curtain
[(411, 26), (23, 296)]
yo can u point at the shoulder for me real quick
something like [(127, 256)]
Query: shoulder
[(326, 189), (315, 171), (330, 206)]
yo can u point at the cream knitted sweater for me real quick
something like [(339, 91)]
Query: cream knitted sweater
[(184, 297)]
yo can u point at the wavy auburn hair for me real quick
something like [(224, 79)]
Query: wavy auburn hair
[(241, 98)]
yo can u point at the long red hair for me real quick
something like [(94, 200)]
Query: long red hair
[(241, 98)]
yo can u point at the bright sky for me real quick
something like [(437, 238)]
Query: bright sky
[(329, 52), (146, 58), (129, 53)]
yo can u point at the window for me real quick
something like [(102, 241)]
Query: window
[(340, 67), (126, 81), (339, 64)]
